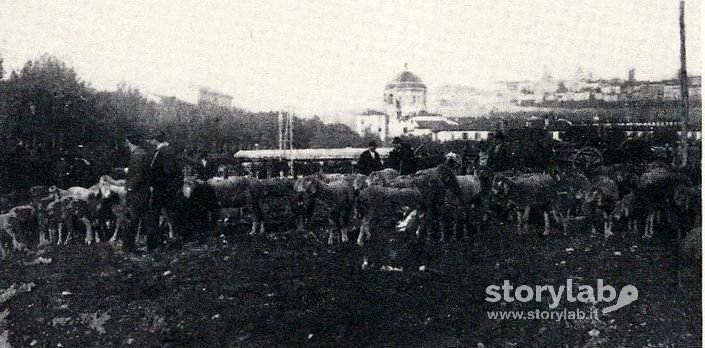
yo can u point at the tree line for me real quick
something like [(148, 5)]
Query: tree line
[(47, 112)]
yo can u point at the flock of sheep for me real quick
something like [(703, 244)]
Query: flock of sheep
[(430, 204)]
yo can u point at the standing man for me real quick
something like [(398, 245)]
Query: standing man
[(204, 168), (370, 160), (137, 186), (402, 158), (166, 181)]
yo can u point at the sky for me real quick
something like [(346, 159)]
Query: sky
[(330, 56)]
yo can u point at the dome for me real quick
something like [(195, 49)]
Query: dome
[(406, 79)]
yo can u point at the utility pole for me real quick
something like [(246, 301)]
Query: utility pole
[(291, 138), (286, 134), (280, 123), (684, 91)]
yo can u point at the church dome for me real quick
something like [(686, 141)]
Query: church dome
[(406, 79)]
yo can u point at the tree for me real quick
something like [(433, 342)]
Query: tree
[(47, 102)]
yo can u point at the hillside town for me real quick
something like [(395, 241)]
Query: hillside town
[(404, 107)]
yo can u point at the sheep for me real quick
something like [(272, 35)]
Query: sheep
[(83, 203), (238, 192), (654, 191), (571, 188), (382, 176), (524, 192), (599, 203), (40, 199), (110, 213), (470, 210), (199, 207), (627, 207), (338, 196), (436, 185), (15, 225), (382, 206)]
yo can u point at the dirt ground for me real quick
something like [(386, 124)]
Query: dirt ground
[(288, 289)]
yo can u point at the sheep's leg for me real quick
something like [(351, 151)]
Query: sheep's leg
[(255, 224), (364, 231), (330, 236), (608, 224), (344, 235), (559, 219), (89, 230), (519, 222), (171, 228), (636, 227), (69, 230), (59, 233), (547, 223), (651, 226), (113, 239), (648, 228)]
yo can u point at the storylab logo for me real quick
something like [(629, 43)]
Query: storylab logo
[(582, 293)]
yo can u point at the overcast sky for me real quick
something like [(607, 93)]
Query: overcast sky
[(325, 56)]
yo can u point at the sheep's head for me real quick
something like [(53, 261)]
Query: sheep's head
[(681, 196), (500, 186), (104, 186), (409, 222), (188, 186), (360, 183), (305, 189), (23, 213), (54, 190), (38, 191)]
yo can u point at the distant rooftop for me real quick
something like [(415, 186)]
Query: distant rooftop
[(406, 79)]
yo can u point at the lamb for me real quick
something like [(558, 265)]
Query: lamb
[(382, 177), (436, 185), (15, 227), (470, 205), (83, 203), (655, 192), (600, 202), (383, 205), (524, 192), (337, 196), (199, 209), (571, 189), (238, 192)]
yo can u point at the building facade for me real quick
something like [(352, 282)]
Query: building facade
[(212, 98)]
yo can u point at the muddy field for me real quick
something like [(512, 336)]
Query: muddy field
[(288, 289)]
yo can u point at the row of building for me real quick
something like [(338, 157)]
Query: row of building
[(584, 89), (404, 104)]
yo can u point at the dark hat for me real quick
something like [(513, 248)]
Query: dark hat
[(372, 144), (134, 137), (396, 140), (159, 136)]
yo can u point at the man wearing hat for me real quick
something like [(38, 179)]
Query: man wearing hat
[(137, 187), (402, 158), (166, 181), (370, 160)]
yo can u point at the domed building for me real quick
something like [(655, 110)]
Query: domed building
[(404, 111), (405, 95)]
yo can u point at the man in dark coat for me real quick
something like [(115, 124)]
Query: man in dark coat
[(370, 160), (401, 158), (205, 169), (137, 186), (166, 180)]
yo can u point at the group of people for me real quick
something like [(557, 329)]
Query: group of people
[(401, 158), (154, 179)]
